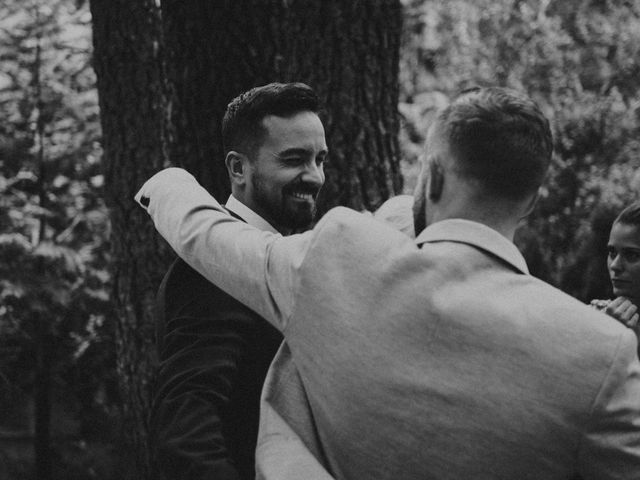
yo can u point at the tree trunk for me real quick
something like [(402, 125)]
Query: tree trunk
[(42, 437), (348, 51), (127, 61)]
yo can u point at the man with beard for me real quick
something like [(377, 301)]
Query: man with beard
[(214, 352), (439, 357)]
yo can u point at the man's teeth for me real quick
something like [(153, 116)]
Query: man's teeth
[(302, 196)]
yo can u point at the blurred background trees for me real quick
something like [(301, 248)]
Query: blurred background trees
[(580, 59), (56, 348)]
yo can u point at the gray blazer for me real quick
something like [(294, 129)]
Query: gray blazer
[(439, 358)]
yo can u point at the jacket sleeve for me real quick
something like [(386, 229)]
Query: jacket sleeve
[(611, 446), (258, 268), (282, 455), (199, 354), (288, 445)]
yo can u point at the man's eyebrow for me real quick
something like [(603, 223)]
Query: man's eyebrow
[(296, 151)]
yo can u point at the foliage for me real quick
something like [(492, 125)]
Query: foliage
[(579, 59), (54, 301)]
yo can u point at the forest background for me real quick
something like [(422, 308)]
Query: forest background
[(59, 386)]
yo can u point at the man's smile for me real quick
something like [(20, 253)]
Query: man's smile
[(302, 193), (308, 197)]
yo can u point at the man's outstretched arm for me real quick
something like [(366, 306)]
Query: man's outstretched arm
[(257, 268)]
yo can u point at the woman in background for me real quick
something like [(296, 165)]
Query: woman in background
[(623, 263)]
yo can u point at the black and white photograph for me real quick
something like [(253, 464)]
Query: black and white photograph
[(319, 239)]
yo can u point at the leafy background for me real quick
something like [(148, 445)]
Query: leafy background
[(56, 324), (580, 59)]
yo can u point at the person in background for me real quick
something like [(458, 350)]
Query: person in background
[(623, 263), (214, 352)]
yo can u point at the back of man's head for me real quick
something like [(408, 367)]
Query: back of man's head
[(242, 129), (499, 138)]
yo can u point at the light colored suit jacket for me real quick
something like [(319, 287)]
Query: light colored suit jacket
[(439, 358), (288, 447)]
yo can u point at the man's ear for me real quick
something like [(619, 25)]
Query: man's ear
[(236, 166), (436, 180), (531, 204)]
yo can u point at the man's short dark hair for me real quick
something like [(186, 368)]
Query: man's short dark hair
[(241, 126), (630, 215), (500, 138)]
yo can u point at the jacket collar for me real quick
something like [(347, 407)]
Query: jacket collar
[(249, 216), (477, 235)]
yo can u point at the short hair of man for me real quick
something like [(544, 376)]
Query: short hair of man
[(499, 138), (242, 129), (630, 215)]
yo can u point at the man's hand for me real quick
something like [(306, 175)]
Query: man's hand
[(623, 310)]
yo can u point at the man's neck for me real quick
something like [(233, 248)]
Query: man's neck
[(468, 200), (493, 217)]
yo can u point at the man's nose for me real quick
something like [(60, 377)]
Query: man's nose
[(314, 173)]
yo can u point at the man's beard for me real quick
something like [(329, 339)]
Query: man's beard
[(285, 213)]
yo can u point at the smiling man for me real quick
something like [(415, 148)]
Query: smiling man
[(214, 352), (276, 166)]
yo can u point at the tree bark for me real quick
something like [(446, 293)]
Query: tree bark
[(347, 51), (128, 63), (42, 437)]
